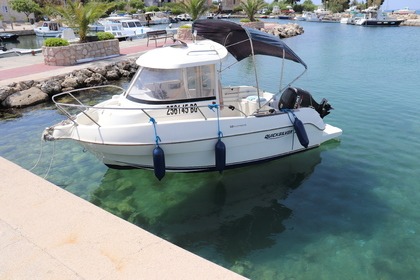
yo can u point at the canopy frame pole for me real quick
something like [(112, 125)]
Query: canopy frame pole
[(255, 67), (282, 71)]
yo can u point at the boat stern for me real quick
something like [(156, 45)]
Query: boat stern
[(331, 132)]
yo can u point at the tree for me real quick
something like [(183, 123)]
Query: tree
[(374, 3), (24, 6), (79, 15), (336, 5), (195, 8), (136, 4), (308, 5), (251, 7), (291, 2)]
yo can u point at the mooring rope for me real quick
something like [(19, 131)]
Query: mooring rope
[(157, 138), (39, 157), (51, 161), (212, 107)]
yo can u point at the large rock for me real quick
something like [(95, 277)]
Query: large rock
[(96, 80), (51, 87), (284, 30), (5, 92), (25, 98), (70, 83)]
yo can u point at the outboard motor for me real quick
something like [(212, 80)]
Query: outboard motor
[(293, 98)]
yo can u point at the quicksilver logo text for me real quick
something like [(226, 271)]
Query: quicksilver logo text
[(278, 134)]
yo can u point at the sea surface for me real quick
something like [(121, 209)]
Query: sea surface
[(349, 209)]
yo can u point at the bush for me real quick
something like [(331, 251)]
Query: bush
[(186, 26), (105, 36), (55, 42)]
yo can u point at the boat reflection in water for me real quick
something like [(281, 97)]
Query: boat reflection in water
[(233, 214)]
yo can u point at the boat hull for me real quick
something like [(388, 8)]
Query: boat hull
[(9, 37), (378, 23), (190, 146), (52, 34)]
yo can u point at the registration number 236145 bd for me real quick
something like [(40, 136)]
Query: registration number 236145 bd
[(182, 109)]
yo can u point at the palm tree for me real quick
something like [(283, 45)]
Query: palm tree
[(195, 8), (79, 15), (251, 7)]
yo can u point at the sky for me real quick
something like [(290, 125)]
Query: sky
[(390, 4)]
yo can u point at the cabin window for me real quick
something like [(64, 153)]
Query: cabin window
[(152, 84), (201, 81)]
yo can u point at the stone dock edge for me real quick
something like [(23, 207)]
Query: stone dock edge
[(48, 233)]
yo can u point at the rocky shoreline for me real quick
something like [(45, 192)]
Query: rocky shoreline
[(29, 93)]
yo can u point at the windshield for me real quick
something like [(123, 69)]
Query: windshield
[(173, 84)]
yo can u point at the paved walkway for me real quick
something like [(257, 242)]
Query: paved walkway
[(32, 67), (49, 233)]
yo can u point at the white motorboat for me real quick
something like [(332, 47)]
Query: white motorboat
[(404, 11), (134, 27), (49, 29), (157, 18), (130, 27), (116, 29), (375, 17), (310, 16), (176, 115)]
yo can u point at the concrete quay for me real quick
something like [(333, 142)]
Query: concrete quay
[(49, 233)]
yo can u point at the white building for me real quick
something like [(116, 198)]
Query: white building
[(10, 15)]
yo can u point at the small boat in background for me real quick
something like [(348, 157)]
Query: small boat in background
[(117, 30), (130, 27), (404, 11), (156, 18), (133, 27), (310, 16), (49, 29), (375, 17), (8, 36)]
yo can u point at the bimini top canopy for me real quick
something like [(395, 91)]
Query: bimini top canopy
[(236, 39)]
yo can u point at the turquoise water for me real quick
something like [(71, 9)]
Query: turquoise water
[(347, 210)]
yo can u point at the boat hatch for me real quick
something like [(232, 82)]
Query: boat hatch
[(153, 85)]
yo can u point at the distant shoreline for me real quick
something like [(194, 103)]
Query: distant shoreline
[(26, 29)]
